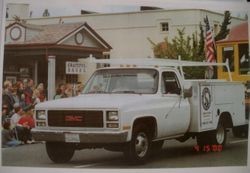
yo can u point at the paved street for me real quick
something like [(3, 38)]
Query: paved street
[(173, 155)]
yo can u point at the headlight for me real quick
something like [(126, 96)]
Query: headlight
[(112, 116), (40, 115)]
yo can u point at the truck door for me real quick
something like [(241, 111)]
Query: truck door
[(176, 116)]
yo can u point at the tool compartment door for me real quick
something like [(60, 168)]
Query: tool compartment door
[(206, 107)]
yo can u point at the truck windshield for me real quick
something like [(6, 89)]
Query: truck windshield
[(134, 81)]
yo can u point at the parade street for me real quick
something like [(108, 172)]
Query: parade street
[(173, 155)]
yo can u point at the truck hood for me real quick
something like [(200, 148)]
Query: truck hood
[(97, 101)]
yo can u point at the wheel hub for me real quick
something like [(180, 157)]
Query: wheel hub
[(141, 144), (220, 135)]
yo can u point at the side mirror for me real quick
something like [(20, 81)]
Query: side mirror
[(188, 92)]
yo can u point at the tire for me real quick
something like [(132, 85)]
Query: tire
[(240, 132), (215, 137), (59, 152), (219, 136), (138, 149)]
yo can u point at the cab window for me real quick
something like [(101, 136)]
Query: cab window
[(170, 83)]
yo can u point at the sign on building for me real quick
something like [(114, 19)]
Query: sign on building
[(75, 67)]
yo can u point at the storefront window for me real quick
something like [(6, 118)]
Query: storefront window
[(244, 60), (228, 53)]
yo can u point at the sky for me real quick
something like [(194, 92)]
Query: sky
[(73, 7)]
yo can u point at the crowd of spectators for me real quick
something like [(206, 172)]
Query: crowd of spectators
[(18, 101)]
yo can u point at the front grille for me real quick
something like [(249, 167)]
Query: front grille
[(73, 118)]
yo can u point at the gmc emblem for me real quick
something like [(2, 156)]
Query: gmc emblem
[(73, 118)]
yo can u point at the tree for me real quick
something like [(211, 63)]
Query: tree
[(201, 45), (184, 46), (46, 13), (224, 31)]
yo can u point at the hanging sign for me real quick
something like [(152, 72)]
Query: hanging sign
[(75, 67)]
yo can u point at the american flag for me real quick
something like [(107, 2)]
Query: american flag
[(209, 42)]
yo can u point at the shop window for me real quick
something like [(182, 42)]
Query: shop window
[(71, 78), (228, 53), (244, 60), (216, 28), (164, 27)]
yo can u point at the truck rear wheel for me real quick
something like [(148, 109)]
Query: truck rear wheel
[(138, 149), (215, 137), (219, 136), (59, 152)]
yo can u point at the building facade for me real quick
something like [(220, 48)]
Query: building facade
[(42, 52), (128, 33), (235, 49)]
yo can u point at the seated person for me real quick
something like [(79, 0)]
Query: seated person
[(25, 124), (7, 137)]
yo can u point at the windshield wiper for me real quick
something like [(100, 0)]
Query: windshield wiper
[(125, 91), (96, 92)]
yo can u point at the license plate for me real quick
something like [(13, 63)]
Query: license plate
[(71, 137)]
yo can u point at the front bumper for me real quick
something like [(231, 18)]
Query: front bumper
[(101, 137)]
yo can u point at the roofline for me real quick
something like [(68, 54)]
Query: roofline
[(17, 3), (232, 42), (59, 41), (95, 34), (53, 46), (70, 33), (14, 23), (133, 12)]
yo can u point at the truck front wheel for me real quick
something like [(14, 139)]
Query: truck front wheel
[(138, 149), (59, 152)]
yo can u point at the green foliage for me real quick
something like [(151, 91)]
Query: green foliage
[(189, 48), (201, 52), (224, 31), (184, 46)]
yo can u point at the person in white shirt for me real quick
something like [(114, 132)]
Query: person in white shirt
[(16, 116)]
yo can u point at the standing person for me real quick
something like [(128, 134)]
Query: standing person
[(60, 92), (7, 98), (7, 138), (41, 90), (5, 116), (15, 95), (36, 97), (20, 93), (69, 90), (28, 92), (79, 88)]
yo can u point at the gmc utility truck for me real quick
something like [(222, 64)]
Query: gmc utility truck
[(134, 108)]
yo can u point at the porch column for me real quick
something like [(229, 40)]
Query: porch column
[(35, 77), (51, 76)]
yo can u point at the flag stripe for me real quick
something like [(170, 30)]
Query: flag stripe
[(209, 44)]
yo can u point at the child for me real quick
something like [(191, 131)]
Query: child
[(7, 137)]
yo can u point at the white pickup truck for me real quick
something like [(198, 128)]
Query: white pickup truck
[(133, 109)]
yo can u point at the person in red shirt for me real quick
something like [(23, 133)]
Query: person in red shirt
[(27, 123)]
